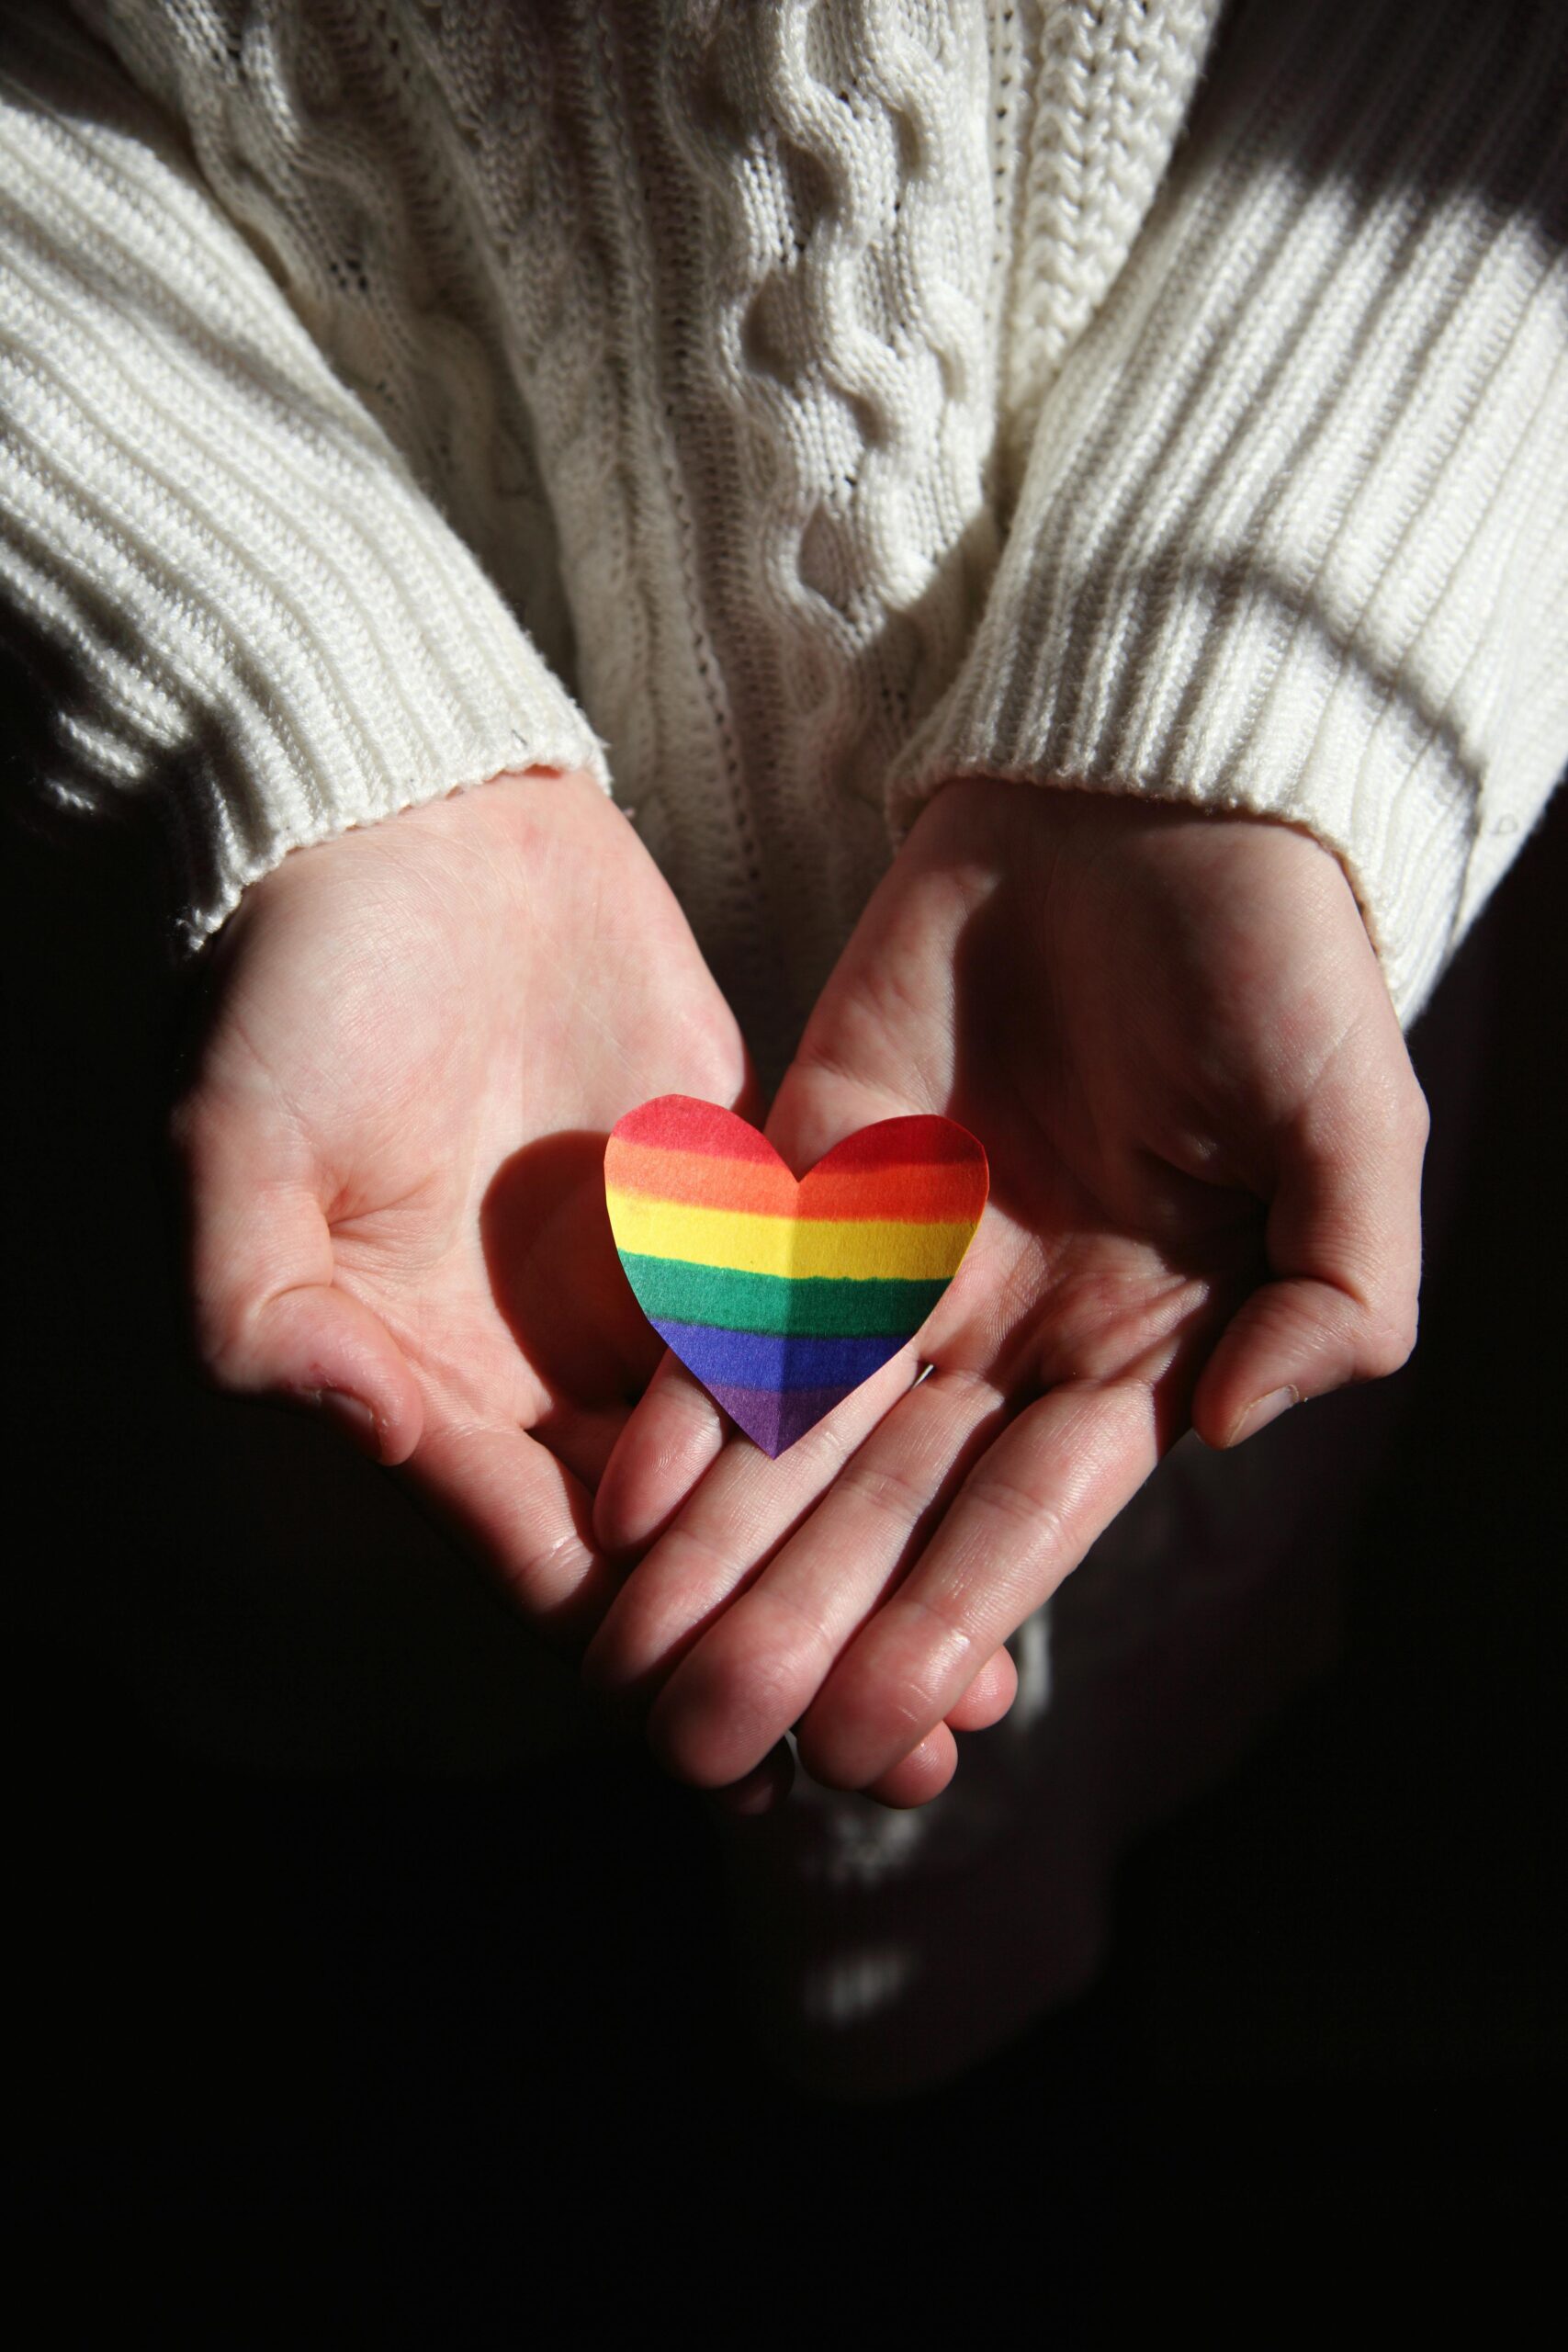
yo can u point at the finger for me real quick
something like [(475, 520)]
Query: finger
[(1344, 1246), (919, 1777), (1026, 1515), (926, 1772), (814, 1110), (741, 1512), (760, 1664), (269, 1318), (915, 1780), (510, 1501), (317, 1346), (989, 1697), (585, 1439), (761, 1791), (677, 1432), (673, 1436)]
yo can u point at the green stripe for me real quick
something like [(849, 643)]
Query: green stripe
[(821, 1307)]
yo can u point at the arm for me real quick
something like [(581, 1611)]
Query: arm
[(1288, 556), (242, 612), (1290, 532), (236, 610)]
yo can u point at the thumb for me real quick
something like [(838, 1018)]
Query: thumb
[(270, 1319), (1344, 1249)]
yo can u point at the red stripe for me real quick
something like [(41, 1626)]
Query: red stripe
[(915, 1170), (680, 1123), (917, 1141)]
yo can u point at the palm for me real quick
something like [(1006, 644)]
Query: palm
[(1117, 1231), (421, 1035), (1144, 1016)]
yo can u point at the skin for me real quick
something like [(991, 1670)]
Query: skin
[(1172, 1033), (1170, 1030), (419, 1036)]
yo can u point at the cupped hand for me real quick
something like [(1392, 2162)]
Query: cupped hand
[(1172, 1035), (419, 1036)]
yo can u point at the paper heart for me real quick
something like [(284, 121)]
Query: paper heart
[(782, 1296)]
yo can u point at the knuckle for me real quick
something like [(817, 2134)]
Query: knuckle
[(950, 1653), (682, 1396), (1039, 1521), (219, 1365), (805, 1642), (233, 1329), (708, 1729), (543, 1572), (890, 1493), (1390, 1340), (219, 1336), (857, 1729)]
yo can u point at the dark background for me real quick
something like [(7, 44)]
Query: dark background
[(444, 2049)]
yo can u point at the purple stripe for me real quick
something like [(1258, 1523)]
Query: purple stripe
[(764, 1359), (776, 1420)]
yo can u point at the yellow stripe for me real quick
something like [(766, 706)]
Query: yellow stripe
[(855, 1248)]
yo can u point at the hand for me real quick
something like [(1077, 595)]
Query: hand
[(420, 1034), (1172, 1035)]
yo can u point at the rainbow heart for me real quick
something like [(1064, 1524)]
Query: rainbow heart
[(782, 1296)]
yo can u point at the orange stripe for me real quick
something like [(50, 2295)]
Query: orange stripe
[(931, 1193)]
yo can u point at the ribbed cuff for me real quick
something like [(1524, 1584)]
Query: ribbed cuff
[(243, 610), (1293, 537)]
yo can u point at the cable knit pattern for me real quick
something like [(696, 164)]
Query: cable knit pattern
[(849, 417), (813, 402), (1324, 417)]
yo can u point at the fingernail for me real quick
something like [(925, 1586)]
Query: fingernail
[(1267, 1408), (353, 1417)]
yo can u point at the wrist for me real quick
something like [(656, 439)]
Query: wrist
[(1110, 819), (494, 820)]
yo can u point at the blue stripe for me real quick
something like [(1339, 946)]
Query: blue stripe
[(761, 1360)]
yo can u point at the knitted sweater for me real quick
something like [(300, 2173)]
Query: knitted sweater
[(785, 409)]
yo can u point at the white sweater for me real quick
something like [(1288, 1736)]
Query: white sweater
[(785, 409)]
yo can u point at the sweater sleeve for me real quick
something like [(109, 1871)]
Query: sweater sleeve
[(1290, 526), (217, 576)]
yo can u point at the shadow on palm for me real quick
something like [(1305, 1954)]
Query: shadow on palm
[(1098, 1259), (557, 1282)]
